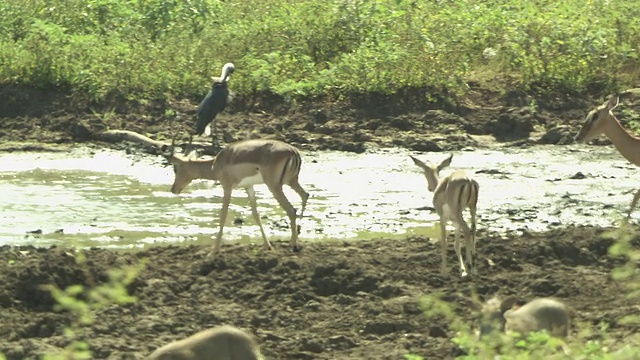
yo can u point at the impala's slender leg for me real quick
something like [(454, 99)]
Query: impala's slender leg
[(291, 213), (636, 197), (472, 239), (254, 210), (443, 245), (468, 247), (457, 245), (304, 196), (226, 199)]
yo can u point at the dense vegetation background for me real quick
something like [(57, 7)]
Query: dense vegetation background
[(156, 49)]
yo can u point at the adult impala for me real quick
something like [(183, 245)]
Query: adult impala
[(244, 164), (601, 120), (451, 196)]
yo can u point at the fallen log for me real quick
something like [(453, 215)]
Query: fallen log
[(115, 136)]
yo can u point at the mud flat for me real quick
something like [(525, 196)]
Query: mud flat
[(334, 300)]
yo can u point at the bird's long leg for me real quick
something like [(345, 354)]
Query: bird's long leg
[(214, 135)]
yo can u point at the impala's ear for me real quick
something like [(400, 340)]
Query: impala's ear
[(509, 303), (168, 152), (612, 103), (446, 162), (419, 163)]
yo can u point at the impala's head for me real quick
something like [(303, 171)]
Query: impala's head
[(181, 169), (492, 313), (432, 172), (596, 121)]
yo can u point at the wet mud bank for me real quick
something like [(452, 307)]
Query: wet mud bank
[(334, 300), (480, 118)]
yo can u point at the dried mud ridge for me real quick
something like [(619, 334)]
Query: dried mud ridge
[(334, 300)]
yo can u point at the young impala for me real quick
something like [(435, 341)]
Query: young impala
[(512, 315), (451, 196), (220, 342), (602, 121), (244, 164)]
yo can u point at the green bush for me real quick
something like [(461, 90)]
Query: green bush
[(82, 303), (164, 48), (540, 345)]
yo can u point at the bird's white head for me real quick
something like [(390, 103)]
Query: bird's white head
[(227, 70)]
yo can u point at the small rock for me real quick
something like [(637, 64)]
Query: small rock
[(437, 331), (401, 123), (312, 305), (559, 135), (578, 176), (423, 145), (354, 147), (341, 342), (319, 116), (312, 345), (270, 336), (491, 172)]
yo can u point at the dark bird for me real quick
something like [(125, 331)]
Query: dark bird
[(215, 101)]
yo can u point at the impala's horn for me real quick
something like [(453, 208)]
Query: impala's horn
[(168, 150), (188, 148)]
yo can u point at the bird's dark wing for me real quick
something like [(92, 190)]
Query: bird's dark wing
[(211, 105)]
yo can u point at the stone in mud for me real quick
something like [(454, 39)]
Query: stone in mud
[(402, 123), (423, 145), (341, 342), (511, 124), (559, 135)]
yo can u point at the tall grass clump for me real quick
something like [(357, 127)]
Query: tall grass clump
[(165, 48)]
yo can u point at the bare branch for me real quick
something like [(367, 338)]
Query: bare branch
[(132, 136)]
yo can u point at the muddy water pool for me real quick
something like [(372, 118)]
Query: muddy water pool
[(92, 197)]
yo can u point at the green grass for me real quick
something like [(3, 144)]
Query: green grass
[(168, 48)]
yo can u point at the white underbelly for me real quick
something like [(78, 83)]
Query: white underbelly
[(251, 180)]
